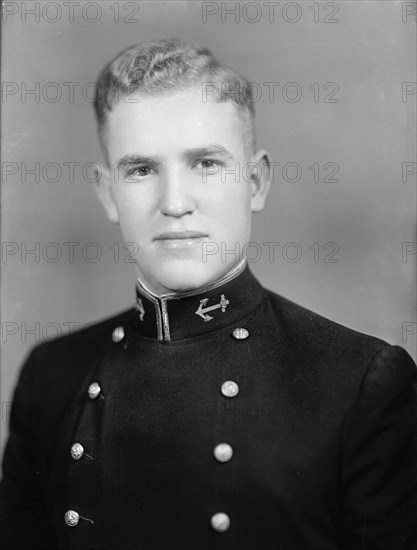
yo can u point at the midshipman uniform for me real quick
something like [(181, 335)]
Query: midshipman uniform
[(228, 418)]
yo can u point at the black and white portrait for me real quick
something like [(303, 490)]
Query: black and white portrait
[(208, 261)]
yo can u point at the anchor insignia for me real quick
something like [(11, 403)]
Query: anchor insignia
[(203, 312)]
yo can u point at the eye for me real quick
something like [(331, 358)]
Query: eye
[(209, 165), (141, 171)]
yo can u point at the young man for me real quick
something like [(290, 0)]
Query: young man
[(214, 414)]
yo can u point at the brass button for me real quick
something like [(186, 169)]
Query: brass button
[(230, 389), (223, 452), (240, 333), (220, 522), (77, 451), (94, 390), (118, 334), (72, 518)]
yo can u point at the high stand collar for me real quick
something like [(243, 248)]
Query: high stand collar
[(183, 315)]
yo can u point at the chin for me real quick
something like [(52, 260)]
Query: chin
[(186, 276)]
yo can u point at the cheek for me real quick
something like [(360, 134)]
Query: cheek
[(233, 214), (233, 190), (132, 215)]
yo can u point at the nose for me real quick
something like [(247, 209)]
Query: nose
[(176, 197)]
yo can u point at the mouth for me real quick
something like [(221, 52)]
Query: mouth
[(180, 240)]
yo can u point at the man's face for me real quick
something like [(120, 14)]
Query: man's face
[(172, 155)]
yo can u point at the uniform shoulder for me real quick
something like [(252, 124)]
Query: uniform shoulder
[(321, 334), (89, 336), (335, 357), (70, 356)]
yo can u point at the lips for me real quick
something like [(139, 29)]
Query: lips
[(181, 242), (179, 235)]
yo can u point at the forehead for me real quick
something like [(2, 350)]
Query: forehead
[(170, 123)]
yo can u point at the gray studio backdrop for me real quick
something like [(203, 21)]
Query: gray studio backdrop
[(335, 85)]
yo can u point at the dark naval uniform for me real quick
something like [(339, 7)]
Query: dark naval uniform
[(227, 419)]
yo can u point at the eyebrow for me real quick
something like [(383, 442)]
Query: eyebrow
[(210, 150), (189, 155)]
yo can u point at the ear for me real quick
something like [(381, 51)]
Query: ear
[(103, 188), (260, 179)]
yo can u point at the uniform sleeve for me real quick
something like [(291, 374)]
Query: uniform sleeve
[(24, 520), (379, 474)]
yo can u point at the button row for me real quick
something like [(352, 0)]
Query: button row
[(223, 452), (118, 334), (228, 389), (220, 521), (77, 450)]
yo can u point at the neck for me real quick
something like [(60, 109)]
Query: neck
[(238, 268)]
